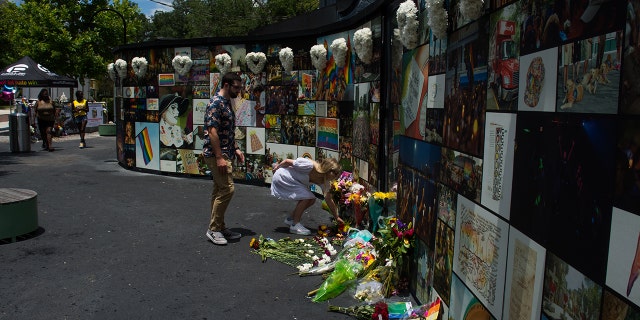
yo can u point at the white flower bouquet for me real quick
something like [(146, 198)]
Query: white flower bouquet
[(256, 61), (139, 65), (121, 68), (111, 69), (182, 64), (223, 62), (339, 49), (318, 57), (286, 58), (363, 44), (407, 16), (437, 17), (471, 9)]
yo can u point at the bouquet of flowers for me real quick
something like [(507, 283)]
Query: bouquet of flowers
[(302, 254), (182, 64), (318, 57), (392, 247), (379, 203), (351, 198), (365, 311), (339, 49), (121, 68), (286, 58), (139, 65)]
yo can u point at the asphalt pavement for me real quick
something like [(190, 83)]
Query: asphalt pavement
[(121, 244)]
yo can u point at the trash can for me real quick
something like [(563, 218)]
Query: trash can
[(19, 132)]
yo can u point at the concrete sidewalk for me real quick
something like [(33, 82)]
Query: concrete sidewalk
[(121, 244)]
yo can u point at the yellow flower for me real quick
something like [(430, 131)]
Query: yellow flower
[(254, 243)]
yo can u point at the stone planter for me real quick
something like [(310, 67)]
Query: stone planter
[(108, 129)]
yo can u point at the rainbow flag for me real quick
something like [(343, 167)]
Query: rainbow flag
[(145, 145)]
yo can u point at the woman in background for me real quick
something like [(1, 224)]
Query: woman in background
[(46, 115), (80, 109)]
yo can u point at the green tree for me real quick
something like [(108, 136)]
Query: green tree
[(67, 36), (223, 18)]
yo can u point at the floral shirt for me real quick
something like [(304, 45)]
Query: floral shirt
[(220, 115)]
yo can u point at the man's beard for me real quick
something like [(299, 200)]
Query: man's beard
[(232, 94)]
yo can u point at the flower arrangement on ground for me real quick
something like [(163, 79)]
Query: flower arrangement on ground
[(286, 58), (379, 311), (256, 61), (182, 64), (302, 254), (318, 55), (392, 246), (139, 65), (363, 44), (339, 49), (407, 16), (121, 68), (223, 62)]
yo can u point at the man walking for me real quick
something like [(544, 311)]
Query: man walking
[(220, 149)]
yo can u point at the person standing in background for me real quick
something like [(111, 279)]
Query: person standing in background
[(80, 108), (219, 150), (46, 115)]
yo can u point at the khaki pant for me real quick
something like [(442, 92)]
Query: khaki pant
[(221, 193)]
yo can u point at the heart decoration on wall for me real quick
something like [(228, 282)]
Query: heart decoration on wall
[(223, 62), (407, 16), (318, 57), (256, 61), (182, 64), (339, 49), (139, 65), (363, 44), (286, 58)]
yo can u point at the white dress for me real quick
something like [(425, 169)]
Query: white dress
[(292, 183)]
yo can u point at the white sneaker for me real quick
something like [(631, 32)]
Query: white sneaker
[(298, 228), (216, 237), (288, 221)]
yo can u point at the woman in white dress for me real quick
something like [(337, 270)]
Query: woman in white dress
[(292, 180)]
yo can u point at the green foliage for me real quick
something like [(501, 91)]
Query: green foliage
[(67, 36), (223, 18)]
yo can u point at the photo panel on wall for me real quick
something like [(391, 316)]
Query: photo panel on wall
[(563, 185)]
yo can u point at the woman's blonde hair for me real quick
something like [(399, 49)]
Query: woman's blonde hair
[(329, 166)]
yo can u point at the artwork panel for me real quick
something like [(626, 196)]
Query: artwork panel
[(444, 251), (615, 308), (480, 253), (436, 92), (503, 69), (256, 140), (168, 159), (464, 305), (538, 81), (199, 109), (187, 161), (627, 192), (590, 84), (147, 146), (563, 185), (461, 172), (567, 292), (327, 133), (447, 205), (321, 108), (525, 273), (425, 211), (623, 261), (497, 169), (420, 155)]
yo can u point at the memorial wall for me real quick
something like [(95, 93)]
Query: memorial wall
[(510, 129)]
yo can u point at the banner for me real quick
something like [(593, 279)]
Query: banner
[(94, 116)]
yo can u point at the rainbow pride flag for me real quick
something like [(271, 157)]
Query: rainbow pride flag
[(145, 145)]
